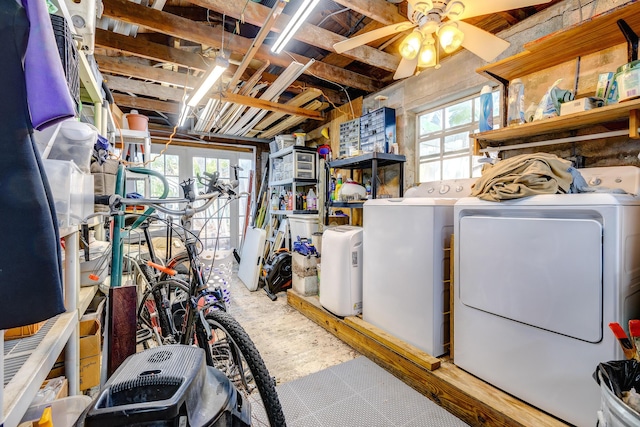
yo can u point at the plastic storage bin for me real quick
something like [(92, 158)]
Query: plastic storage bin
[(303, 225), (64, 412), (72, 191), (74, 141)]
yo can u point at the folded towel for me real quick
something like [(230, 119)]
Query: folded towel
[(523, 175)]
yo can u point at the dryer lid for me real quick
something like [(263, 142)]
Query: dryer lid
[(543, 272)]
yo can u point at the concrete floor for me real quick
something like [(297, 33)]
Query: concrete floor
[(291, 345)]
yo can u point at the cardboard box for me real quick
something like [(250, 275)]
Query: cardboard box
[(23, 331), (581, 104), (90, 356)]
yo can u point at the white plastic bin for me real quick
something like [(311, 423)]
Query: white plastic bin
[(303, 225), (72, 191), (74, 141)]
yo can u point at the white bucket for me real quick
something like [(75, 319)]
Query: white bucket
[(303, 225)]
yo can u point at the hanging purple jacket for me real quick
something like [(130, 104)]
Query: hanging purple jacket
[(47, 91)]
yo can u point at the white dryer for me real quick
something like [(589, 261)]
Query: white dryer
[(406, 262), (537, 281)]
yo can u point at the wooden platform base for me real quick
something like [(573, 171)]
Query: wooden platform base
[(469, 398)]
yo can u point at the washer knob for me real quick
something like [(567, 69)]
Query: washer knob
[(618, 180), (595, 181), (444, 189), (459, 188), (430, 190)]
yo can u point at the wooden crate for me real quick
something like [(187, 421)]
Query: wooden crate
[(22, 331)]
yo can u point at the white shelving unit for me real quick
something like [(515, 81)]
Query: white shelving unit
[(26, 362), (125, 139)]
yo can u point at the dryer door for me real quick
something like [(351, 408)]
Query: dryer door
[(544, 272)]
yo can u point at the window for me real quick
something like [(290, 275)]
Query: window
[(444, 148)]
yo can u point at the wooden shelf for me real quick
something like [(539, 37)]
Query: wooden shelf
[(593, 35), (598, 116)]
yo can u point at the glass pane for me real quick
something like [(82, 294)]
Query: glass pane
[(457, 167), (246, 165), (496, 105), (198, 165), (456, 142), (212, 165), (430, 122), (430, 171), (172, 165), (158, 163), (174, 187), (458, 114), (476, 167), (225, 168), (428, 148)]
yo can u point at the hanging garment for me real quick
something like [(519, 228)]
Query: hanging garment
[(48, 95), (30, 253)]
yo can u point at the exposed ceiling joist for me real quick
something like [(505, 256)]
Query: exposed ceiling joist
[(200, 33), (146, 103), (378, 10), (173, 94), (291, 121), (256, 14)]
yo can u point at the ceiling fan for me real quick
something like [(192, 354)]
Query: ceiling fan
[(441, 20)]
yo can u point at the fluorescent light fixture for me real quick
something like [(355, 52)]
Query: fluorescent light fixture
[(184, 113), (294, 23), (208, 81)]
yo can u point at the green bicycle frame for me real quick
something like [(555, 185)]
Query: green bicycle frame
[(118, 221)]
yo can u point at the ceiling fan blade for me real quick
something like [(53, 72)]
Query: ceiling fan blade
[(477, 7), (406, 68), (365, 38), (482, 43)]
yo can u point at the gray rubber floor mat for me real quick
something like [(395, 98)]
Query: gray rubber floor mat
[(359, 393)]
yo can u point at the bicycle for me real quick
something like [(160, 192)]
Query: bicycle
[(178, 306)]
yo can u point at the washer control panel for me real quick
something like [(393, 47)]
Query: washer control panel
[(452, 188), (626, 178)]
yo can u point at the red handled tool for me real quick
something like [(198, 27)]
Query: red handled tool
[(634, 333), (627, 346)]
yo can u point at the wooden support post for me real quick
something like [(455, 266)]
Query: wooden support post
[(634, 122)]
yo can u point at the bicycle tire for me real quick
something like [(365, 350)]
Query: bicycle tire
[(232, 340), (153, 295)]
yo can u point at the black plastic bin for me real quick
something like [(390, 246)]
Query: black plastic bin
[(167, 386)]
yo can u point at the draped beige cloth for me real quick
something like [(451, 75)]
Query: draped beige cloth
[(523, 175)]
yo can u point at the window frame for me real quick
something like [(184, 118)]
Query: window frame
[(443, 156)]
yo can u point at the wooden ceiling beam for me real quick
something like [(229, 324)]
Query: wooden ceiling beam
[(176, 26), (139, 87), (342, 61), (123, 66), (148, 50), (256, 14), (378, 10), (162, 53), (122, 100)]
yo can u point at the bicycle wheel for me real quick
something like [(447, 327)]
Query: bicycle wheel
[(232, 351), (160, 313)]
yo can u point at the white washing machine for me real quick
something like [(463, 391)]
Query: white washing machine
[(537, 281), (340, 289), (406, 262)]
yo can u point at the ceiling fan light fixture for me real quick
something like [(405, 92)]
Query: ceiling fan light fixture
[(427, 56), (294, 23), (411, 45), (450, 37), (454, 9), (207, 82), (422, 6)]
